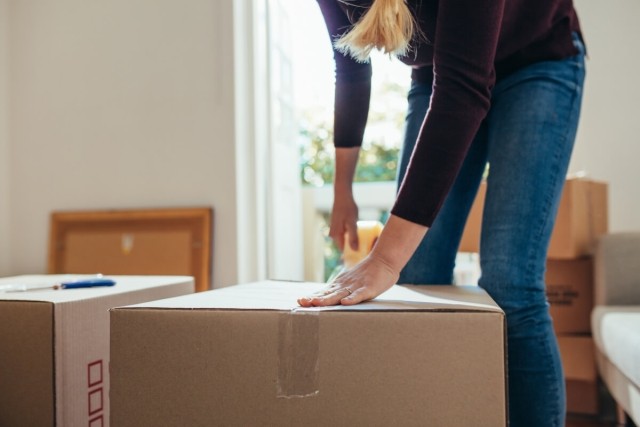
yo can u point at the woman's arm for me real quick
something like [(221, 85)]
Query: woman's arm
[(352, 84), (464, 49), (351, 107)]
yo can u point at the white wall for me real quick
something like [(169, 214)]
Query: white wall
[(4, 140), (608, 144), (250, 143), (120, 104)]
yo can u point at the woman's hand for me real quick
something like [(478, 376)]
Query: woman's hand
[(344, 215), (344, 219), (368, 279), (378, 271)]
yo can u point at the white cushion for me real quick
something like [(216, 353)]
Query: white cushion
[(616, 331)]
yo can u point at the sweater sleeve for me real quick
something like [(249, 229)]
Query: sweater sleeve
[(352, 82), (465, 45)]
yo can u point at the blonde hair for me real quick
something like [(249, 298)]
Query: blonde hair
[(387, 26)]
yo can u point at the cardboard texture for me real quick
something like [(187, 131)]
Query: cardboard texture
[(582, 217), (570, 294), (470, 241), (578, 357), (249, 356), (583, 397), (54, 363), (579, 364)]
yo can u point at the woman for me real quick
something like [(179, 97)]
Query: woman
[(492, 81)]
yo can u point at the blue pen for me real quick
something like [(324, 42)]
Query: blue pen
[(73, 284), (86, 283)]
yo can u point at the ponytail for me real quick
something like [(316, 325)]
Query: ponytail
[(388, 26)]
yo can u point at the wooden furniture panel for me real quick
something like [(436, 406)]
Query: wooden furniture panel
[(130, 242)]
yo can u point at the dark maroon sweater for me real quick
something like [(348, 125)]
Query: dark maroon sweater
[(466, 45)]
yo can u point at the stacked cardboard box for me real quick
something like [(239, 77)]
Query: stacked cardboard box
[(582, 217), (54, 347)]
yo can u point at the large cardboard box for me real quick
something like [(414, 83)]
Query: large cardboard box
[(570, 294), (581, 375), (54, 357), (582, 217), (249, 356)]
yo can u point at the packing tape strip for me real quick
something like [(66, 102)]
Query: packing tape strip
[(298, 352)]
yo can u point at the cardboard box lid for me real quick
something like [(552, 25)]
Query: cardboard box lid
[(282, 296), (124, 284)]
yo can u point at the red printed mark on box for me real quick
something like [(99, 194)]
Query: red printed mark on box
[(97, 421), (95, 398), (94, 373), (96, 401)]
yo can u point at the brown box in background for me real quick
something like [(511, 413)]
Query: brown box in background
[(570, 294), (248, 355), (579, 364), (54, 357), (582, 217), (582, 397), (471, 237)]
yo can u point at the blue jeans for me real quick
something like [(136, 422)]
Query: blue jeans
[(527, 139)]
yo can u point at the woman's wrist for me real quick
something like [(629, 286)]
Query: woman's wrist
[(398, 242), (343, 189), (345, 167)]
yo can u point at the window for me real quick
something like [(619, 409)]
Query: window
[(313, 87)]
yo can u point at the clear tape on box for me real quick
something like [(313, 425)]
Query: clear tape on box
[(298, 352)]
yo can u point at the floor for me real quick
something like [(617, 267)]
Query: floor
[(575, 421), (605, 419)]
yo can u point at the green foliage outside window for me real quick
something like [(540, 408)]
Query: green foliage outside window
[(379, 154), (376, 162)]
